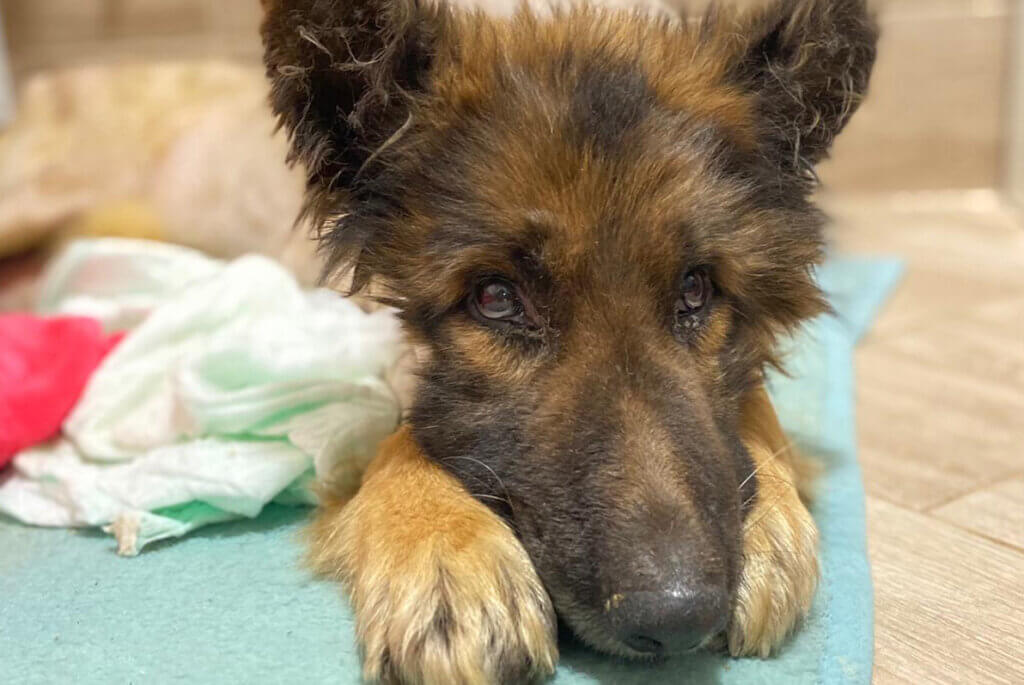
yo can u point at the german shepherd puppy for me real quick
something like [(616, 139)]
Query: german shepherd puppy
[(595, 224)]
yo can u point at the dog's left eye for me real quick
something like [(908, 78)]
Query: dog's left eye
[(696, 291), (497, 300)]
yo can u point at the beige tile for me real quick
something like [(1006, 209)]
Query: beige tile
[(932, 430), (1005, 320), (980, 346), (997, 512), (941, 376), (948, 606), (939, 404), (962, 251)]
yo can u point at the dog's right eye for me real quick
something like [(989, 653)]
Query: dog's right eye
[(497, 300)]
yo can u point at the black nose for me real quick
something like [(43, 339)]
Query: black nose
[(669, 621)]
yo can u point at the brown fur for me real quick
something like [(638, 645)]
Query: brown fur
[(443, 592), (414, 548), (591, 159)]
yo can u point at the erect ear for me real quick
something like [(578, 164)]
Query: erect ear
[(808, 62), (343, 74)]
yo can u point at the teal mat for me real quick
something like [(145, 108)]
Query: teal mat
[(230, 604)]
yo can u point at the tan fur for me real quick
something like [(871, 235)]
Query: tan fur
[(780, 539), (477, 348), (442, 590)]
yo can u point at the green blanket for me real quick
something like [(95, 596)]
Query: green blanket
[(231, 604)]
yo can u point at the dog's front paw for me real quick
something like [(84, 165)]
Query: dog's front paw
[(780, 567), (449, 614), (442, 590)]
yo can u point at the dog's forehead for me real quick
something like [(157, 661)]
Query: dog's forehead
[(580, 133), (596, 64)]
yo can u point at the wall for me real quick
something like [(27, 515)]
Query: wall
[(937, 116), (6, 88), (1014, 128)]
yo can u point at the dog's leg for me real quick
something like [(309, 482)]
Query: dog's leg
[(780, 539), (441, 588)]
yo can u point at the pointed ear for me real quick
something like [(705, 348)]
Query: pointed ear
[(343, 74), (808, 62)]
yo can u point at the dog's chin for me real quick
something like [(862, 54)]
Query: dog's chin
[(590, 628)]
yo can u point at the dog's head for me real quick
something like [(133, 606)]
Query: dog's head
[(597, 223)]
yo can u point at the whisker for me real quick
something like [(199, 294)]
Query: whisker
[(507, 499), (768, 510), (477, 461), (767, 461), (768, 478), (485, 496)]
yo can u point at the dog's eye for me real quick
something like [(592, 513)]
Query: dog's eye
[(696, 291), (496, 299)]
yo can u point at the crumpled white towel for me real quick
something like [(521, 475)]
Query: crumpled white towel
[(230, 393)]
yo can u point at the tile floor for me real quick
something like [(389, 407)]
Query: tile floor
[(941, 426)]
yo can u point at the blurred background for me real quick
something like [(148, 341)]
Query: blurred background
[(939, 117), (146, 117)]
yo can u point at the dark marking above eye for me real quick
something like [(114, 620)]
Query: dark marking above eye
[(609, 98)]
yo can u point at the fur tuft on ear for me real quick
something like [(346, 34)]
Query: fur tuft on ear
[(342, 77), (809, 62)]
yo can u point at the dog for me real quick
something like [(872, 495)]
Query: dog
[(596, 224)]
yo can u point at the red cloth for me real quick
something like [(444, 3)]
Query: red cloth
[(44, 365)]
